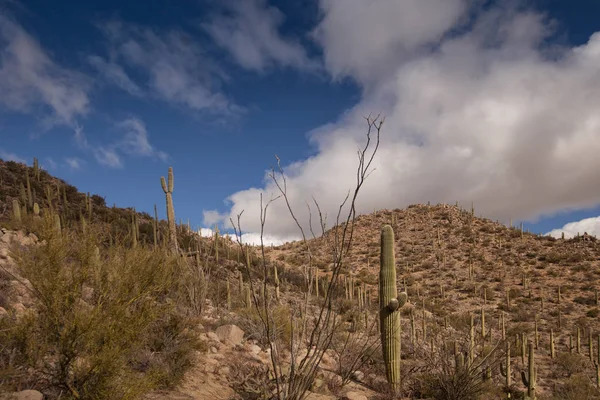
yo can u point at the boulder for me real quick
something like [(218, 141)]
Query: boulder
[(230, 334), (354, 396), (23, 395)]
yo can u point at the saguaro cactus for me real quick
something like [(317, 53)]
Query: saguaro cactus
[(505, 370), (390, 302), (16, 211), (167, 187), (530, 378)]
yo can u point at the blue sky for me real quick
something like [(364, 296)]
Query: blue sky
[(493, 102)]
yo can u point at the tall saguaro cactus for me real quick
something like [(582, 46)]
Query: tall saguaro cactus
[(390, 302), (530, 378), (167, 187)]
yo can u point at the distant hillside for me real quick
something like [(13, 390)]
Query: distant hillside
[(52, 192)]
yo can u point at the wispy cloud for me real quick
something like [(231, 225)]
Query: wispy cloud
[(115, 74), (8, 156), (135, 141), (51, 163), (108, 157), (74, 163), (171, 65), (31, 82), (249, 31)]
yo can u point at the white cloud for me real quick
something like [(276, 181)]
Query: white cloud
[(136, 140), (51, 163), (368, 42), (31, 82), (589, 225), (8, 156), (172, 65), (205, 232), (108, 157), (248, 30), (115, 74), (492, 115), (74, 163), (212, 217), (252, 239)]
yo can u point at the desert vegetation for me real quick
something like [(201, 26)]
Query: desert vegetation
[(426, 302)]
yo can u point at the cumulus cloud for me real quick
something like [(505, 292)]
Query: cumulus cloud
[(171, 64), (572, 229), (249, 31), (32, 82), (489, 114), (366, 43), (252, 239)]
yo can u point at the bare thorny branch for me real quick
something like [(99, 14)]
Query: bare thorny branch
[(301, 375)]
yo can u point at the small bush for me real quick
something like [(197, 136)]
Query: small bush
[(577, 387), (569, 364)]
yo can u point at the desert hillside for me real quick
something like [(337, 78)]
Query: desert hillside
[(94, 303)]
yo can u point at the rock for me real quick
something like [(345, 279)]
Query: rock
[(328, 360), (8, 237), (3, 312), (318, 396), (20, 309), (230, 334), (332, 377), (354, 396), (254, 349), (87, 294), (213, 336), (23, 395), (358, 376)]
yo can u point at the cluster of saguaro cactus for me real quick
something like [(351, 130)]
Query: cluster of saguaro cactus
[(167, 187), (390, 302)]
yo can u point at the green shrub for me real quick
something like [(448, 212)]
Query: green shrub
[(94, 317)]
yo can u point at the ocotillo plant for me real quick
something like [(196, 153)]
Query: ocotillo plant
[(168, 189), (390, 302)]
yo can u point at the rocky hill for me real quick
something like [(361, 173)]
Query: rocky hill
[(473, 286)]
